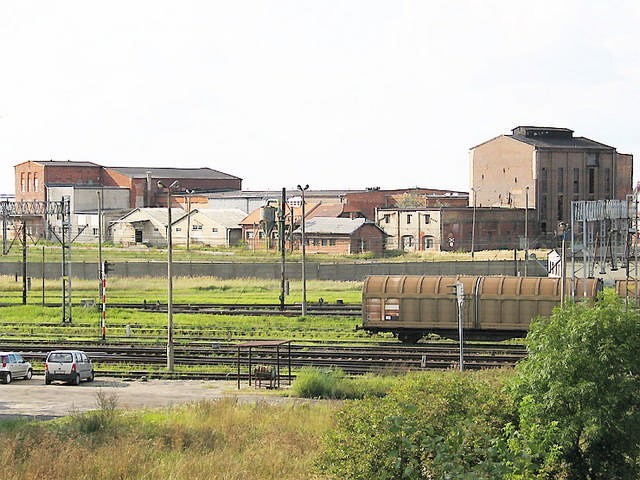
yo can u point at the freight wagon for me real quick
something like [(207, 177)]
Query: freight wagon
[(500, 307)]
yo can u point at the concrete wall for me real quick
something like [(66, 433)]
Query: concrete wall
[(315, 270)]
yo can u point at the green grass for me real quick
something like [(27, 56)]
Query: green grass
[(185, 290), (89, 253)]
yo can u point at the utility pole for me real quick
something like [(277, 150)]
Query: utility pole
[(283, 247), (526, 228), (304, 241), (170, 349)]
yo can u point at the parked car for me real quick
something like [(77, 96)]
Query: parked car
[(70, 366), (13, 366)]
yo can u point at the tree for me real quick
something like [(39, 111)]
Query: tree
[(578, 394)]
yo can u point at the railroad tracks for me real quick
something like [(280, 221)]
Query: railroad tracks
[(202, 360), (288, 310)]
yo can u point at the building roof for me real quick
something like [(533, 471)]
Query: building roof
[(196, 173), (158, 216), (64, 163), (329, 210), (554, 137), (227, 217), (340, 226)]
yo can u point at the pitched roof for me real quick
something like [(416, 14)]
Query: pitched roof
[(340, 226), (199, 173), (329, 210), (554, 137), (227, 217), (158, 216)]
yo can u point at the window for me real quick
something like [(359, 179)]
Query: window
[(28, 181), (560, 180), (196, 226), (543, 180), (249, 234), (332, 242), (387, 218), (214, 229), (178, 229), (428, 242), (22, 183), (35, 182), (427, 218), (95, 231), (408, 218), (576, 180), (592, 181), (593, 159), (560, 207), (324, 242), (607, 182)]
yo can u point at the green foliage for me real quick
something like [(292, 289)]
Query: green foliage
[(334, 384), (577, 394), (431, 425)]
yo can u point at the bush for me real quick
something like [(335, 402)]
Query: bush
[(333, 384), (430, 425), (577, 393)]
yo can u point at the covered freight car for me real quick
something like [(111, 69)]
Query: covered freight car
[(411, 306)]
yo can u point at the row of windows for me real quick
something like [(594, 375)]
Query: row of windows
[(591, 180), (427, 217), (29, 182), (197, 228)]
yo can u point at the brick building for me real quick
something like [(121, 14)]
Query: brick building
[(545, 169), (121, 189), (452, 228), (341, 236)]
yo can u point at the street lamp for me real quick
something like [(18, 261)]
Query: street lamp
[(526, 228), (473, 223), (188, 193), (170, 355), (304, 251)]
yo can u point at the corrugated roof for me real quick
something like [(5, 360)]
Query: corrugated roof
[(199, 173), (580, 143), (158, 216), (227, 217), (341, 226)]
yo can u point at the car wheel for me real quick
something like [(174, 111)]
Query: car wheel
[(28, 375), (7, 378), (47, 380), (76, 380)]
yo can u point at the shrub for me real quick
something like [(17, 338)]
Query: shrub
[(334, 384), (431, 425)]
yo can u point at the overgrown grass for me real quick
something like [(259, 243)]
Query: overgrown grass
[(313, 382), (220, 439)]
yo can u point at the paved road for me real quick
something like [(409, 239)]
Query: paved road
[(34, 399)]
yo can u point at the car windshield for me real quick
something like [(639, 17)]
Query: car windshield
[(61, 357)]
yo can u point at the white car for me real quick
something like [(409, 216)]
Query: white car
[(13, 366), (70, 366)]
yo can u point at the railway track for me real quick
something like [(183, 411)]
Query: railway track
[(289, 310), (202, 360)]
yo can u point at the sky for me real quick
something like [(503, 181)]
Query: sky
[(344, 94)]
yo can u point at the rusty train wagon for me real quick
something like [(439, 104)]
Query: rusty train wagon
[(411, 306)]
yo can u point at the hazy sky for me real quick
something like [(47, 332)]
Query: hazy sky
[(336, 94)]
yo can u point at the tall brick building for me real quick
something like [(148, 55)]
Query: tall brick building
[(546, 168)]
